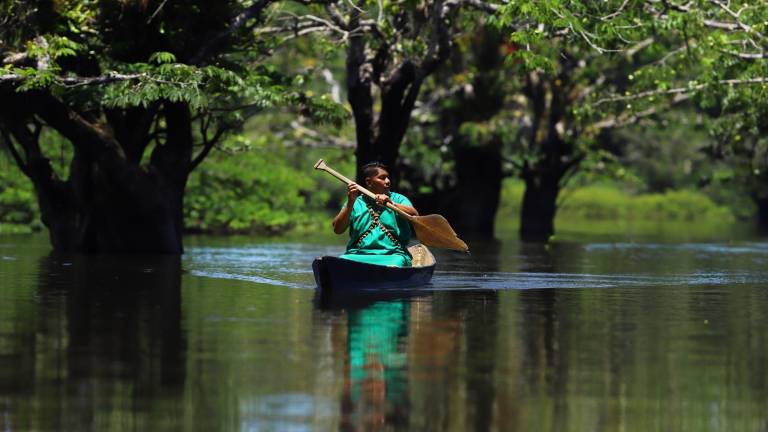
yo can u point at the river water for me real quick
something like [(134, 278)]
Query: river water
[(600, 333)]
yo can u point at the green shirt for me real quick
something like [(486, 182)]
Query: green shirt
[(376, 247)]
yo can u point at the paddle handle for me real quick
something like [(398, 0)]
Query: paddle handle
[(321, 165)]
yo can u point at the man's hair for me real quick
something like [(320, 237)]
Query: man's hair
[(372, 168)]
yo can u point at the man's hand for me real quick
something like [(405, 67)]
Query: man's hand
[(352, 193), (382, 199)]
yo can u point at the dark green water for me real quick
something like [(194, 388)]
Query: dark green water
[(588, 334)]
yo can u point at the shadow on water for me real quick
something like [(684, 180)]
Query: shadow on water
[(356, 300), (106, 344)]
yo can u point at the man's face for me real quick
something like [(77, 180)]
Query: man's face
[(380, 182)]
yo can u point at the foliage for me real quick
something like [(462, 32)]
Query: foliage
[(265, 189), (83, 29), (667, 154), (143, 91), (614, 63), (574, 70), (709, 52), (18, 208), (741, 149), (253, 191)]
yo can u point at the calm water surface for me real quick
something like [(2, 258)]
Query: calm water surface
[(587, 334)]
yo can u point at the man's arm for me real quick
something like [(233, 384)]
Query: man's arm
[(341, 221)]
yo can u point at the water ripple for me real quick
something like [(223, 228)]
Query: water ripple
[(524, 280), (250, 278), (288, 265), (710, 248)]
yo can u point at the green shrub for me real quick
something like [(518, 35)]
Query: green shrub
[(256, 191), (609, 202), (18, 205)]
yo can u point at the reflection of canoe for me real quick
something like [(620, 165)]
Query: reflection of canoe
[(333, 274)]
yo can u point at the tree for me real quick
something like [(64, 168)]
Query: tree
[(591, 66), (143, 91), (740, 145), (455, 155), (391, 48)]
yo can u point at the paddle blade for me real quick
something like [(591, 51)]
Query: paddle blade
[(435, 231)]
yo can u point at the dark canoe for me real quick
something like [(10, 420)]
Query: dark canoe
[(333, 274)]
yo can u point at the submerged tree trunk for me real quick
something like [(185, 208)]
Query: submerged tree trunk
[(478, 159), (478, 188), (116, 220), (91, 213), (109, 203), (383, 85), (762, 213), (552, 136), (539, 206), (379, 134)]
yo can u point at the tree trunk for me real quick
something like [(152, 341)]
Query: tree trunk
[(109, 203), (537, 215), (360, 97), (91, 214), (117, 223), (762, 213), (478, 188), (379, 136)]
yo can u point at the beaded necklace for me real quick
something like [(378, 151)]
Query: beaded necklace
[(375, 222)]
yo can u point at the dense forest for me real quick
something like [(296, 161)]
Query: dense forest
[(125, 124)]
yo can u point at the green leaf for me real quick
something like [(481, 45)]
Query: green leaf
[(162, 57)]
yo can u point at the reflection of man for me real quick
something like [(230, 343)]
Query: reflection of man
[(376, 386)]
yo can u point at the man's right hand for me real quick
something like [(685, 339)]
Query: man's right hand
[(352, 192)]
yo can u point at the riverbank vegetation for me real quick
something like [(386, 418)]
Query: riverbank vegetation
[(269, 189)]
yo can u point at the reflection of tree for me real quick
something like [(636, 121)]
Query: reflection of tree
[(481, 334), (454, 364), (462, 336), (543, 333), (375, 389), (551, 258), (107, 347)]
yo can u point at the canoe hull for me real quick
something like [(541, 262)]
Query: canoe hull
[(333, 274)]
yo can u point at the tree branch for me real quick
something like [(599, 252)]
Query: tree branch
[(440, 39), (745, 27), (320, 138), (632, 118), (88, 137), (85, 81), (475, 4), (157, 11), (208, 145), (616, 13), (336, 16), (746, 56), (680, 90), (15, 153), (254, 11)]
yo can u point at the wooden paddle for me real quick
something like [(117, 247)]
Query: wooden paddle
[(432, 230)]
